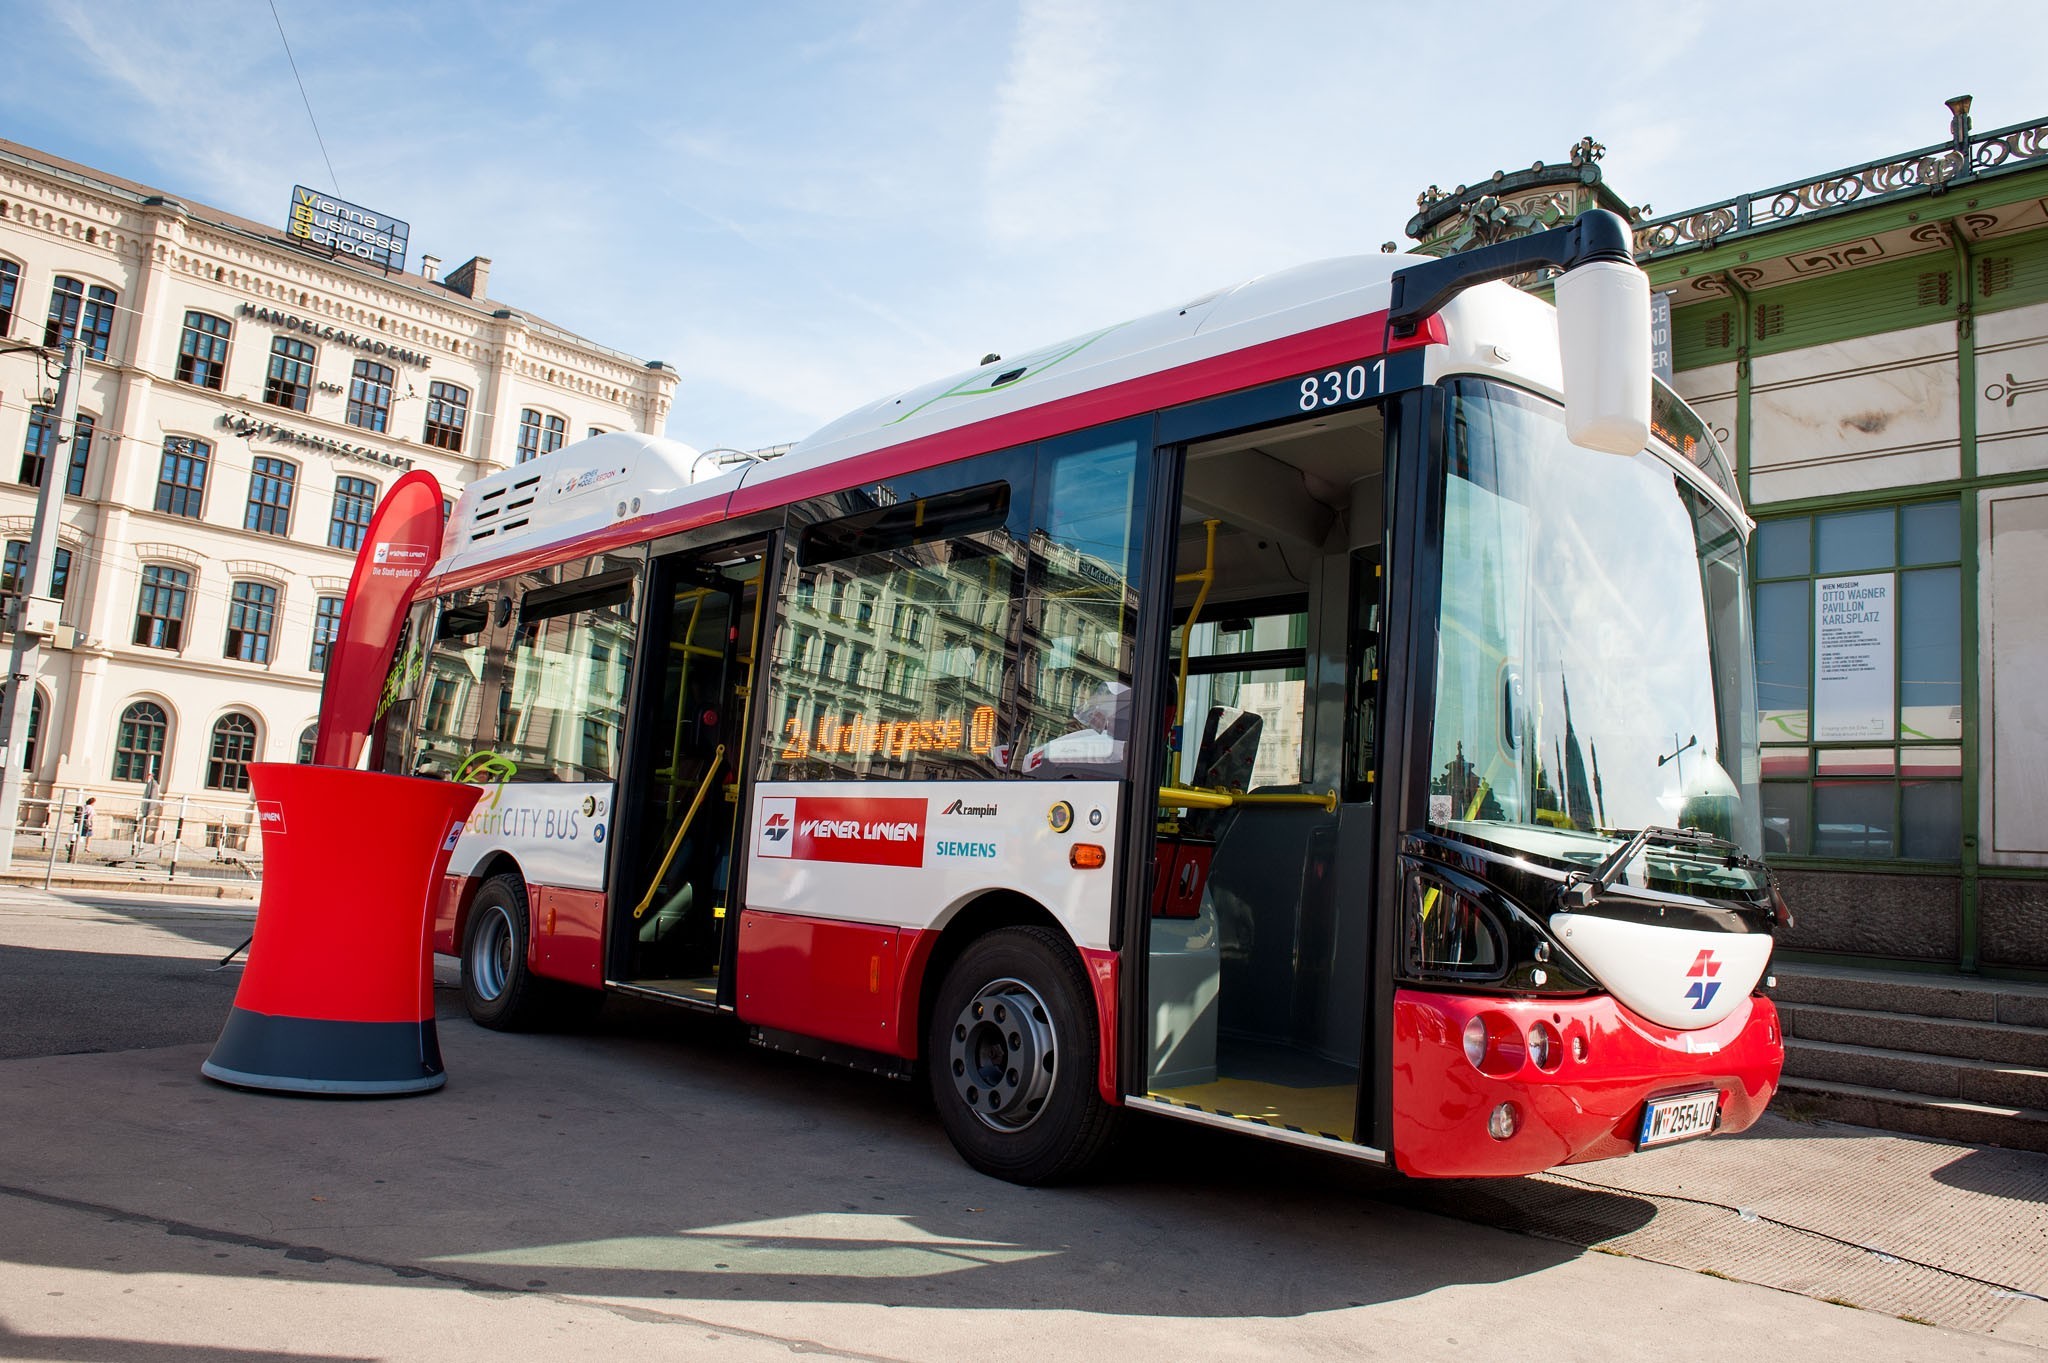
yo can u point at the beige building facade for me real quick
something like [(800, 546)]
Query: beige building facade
[(246, 399)]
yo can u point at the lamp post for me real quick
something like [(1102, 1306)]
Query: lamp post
[(32, 612)]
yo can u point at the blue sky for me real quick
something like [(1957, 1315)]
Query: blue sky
[(805, 206)]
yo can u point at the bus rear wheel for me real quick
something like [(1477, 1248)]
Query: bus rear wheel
[(1012, 1053), (498, 988)]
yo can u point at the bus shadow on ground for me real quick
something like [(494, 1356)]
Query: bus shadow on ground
[(651, 1157), (1186, 1221)]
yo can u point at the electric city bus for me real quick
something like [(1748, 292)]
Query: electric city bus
[(1322, 709)]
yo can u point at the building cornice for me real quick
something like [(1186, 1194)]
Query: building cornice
[(131, 223)]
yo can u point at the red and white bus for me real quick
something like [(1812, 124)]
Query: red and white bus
[(1322, 709)]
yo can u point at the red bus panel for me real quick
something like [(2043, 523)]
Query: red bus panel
[(832, 980)]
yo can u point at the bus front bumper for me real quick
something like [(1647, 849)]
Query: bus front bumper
[(1588, 1105)]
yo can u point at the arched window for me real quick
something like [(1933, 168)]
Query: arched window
[(10, 283), (139, 742), (234, 748), (83, 310), (306, 744), (35, 729)]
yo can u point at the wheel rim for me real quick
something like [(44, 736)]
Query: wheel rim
[(490, 954), (1003, 1055)]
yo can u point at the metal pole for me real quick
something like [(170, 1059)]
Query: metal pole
[(178, 836), (25, 659), (56, 836)]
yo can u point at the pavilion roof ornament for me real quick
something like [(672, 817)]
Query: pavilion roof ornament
[(1930, 170), (1513, 203)]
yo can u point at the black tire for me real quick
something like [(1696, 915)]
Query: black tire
[(497, 987), (1012, 1053)]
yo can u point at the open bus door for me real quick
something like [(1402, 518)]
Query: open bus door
[(675, 872), (1261, 933)]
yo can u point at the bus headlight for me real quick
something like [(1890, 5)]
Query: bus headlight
[(1475, 1043)]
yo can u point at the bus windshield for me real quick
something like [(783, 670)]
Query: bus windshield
[(1593, 669)]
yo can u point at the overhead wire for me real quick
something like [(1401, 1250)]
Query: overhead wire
[(332, 177)]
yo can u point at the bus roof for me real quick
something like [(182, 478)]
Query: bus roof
[(622, 488)]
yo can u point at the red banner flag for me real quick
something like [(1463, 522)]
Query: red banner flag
[(399, 545)]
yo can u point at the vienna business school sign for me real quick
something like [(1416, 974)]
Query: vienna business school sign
[(347, 228)]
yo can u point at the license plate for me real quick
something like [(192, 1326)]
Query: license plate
[(1678, 1118)]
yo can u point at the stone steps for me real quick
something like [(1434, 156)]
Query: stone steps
[(1936, 1076), (1898, 1031), (1913, 1114), (1960, 1059)]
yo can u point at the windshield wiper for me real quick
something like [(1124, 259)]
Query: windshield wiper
[(1582, 889)]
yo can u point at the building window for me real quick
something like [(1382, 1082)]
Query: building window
[(10, 286), (252, 616), (139, 743), (594, 432), (270, 496), (42, 443), (326, 624), (203, 350), (539, 434), (14, 570), (160, 610), (290, 382), (447, 415), (181, 478), (234, 748), (35, 729), (82, 310), (369, 395), (354, 500), (1860, 682), (306, 741)]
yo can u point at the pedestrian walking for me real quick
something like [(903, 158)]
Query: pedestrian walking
[(84, 821)]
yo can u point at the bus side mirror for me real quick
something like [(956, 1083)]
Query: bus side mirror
[(1603, 334)]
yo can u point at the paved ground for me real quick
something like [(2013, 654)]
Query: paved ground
[(650, 1186)]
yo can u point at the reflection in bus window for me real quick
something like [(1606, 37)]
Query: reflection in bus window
[(896, 642), (1083, 614), (527, 678)]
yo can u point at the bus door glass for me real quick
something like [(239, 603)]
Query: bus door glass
[(674, 870), (1260, 920)]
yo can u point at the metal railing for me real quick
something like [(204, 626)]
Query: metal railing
[(1935, 169), (172, 839)]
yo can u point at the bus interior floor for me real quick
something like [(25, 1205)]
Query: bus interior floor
[(700, 990), (1275, 1085)]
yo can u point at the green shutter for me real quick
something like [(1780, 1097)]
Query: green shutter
[(2012, 274), (1702, 334)]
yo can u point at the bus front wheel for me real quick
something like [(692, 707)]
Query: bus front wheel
[(497, 987), (1012, 1054)]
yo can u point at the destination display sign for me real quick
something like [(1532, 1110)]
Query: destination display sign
[(350, 229)]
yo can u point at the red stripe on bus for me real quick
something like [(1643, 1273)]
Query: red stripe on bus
[(1356, 338)]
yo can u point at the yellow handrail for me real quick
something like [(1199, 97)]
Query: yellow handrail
[(1195, 797), (1206, 577), (703, 788)]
